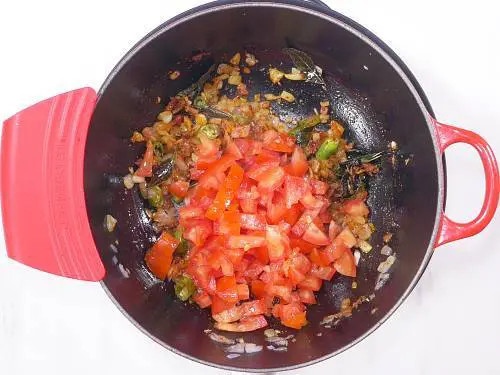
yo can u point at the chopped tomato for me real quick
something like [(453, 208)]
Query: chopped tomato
[(202, 275), (356, 207), (253, 308), (226, 192), (229, 223), (249, 205), (220, 166), (189, 212), (278, 142), (258, 288), (305, 219), (261, 254), (282, 291), (159, 257), (234, 255), (315, 235), (276, 243), (333, 230), (271, 179), (243, 292), (245, 241), (316, 257), (311, 202), (346, 237), (257, 171), (219, 305), (346, 265), (322, 272), (268, 157), (293, 315), (318, 187), (146, 166), (179, 188), (244, 325), (254, 270), (207, 147), (298, 163), (276, 208), (292, 214), (307, 296), (198, 232), (227, 289), (304, 246), (295, 189), (333, 252), (233, 149), (202, 299), (253, 221), (295, 276), (311, 283)]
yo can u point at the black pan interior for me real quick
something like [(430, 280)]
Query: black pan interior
[(367, 95)]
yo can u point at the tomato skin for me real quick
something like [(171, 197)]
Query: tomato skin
[(202, 299), (307, 296), (261, 254), (311, 283), (346, 265), (295, 189), (159, 257), (315, 235), (179, 188), (248, 241), (245, 325), (146, 166), (298, 163), (356, 207), (253, 221)]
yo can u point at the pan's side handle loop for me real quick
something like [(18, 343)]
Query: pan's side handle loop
[(43, 204), (451, 230)]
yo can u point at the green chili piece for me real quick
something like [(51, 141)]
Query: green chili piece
[(210, 130), (155, 196), (183, 245), (184, 287), (305, 124), (158, 149), (199, 103), (327, 149)]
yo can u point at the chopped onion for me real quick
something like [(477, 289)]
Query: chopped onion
[(275, 75), (381, 280), (138, 179), (234, 80), (295, 76), (220, 339), (364, 246), (236, 348), (270, 332), (165, 116), (252, 348), (110, 223), (357, 256), (277, 349), (386, 250), (232, 355), (288, 96), (128, 182)]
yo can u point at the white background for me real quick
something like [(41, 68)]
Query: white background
[(450, 323)]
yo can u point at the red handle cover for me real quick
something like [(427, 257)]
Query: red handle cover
[(450, 230), (43, 204)]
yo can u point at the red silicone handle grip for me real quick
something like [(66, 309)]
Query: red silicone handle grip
[(43, 204), (451, 230)]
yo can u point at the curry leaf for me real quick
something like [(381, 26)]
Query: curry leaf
[(196, 87), (305, 64)]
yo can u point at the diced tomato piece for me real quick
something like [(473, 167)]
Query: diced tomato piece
[(146, 166), (219, 305), (249, 205), (258, 288), (305, 219), (234, 255), (245, 241), (285, 227), (268, 157), (219, 166), (282, 291), (247, 189), (226, 192), (346, 265), (207, 147), (203, 278), (295, 276), (333, 252), (311, 283), (190, 212), (316, 257), (300, 262), (278, 142), (229, 315), (356, 207), (179, 188), (325, 216), (233, 149), (318, 187), (244, 325), (254, 270), (198, 232), (295, 189), (258, 170), (333, 230), (322, 272), (304, 246), (276, 243), (229, 223), (271, 179), (261, 254), (227, 289), (293, 315), (243, 292), (315, 235), (248, 147), (292, 214), (311, 202), (202, 299), (298, 163), (307, 296), (346, 237), (276, 208), (253, 221), (253, 308), (159, 257)]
